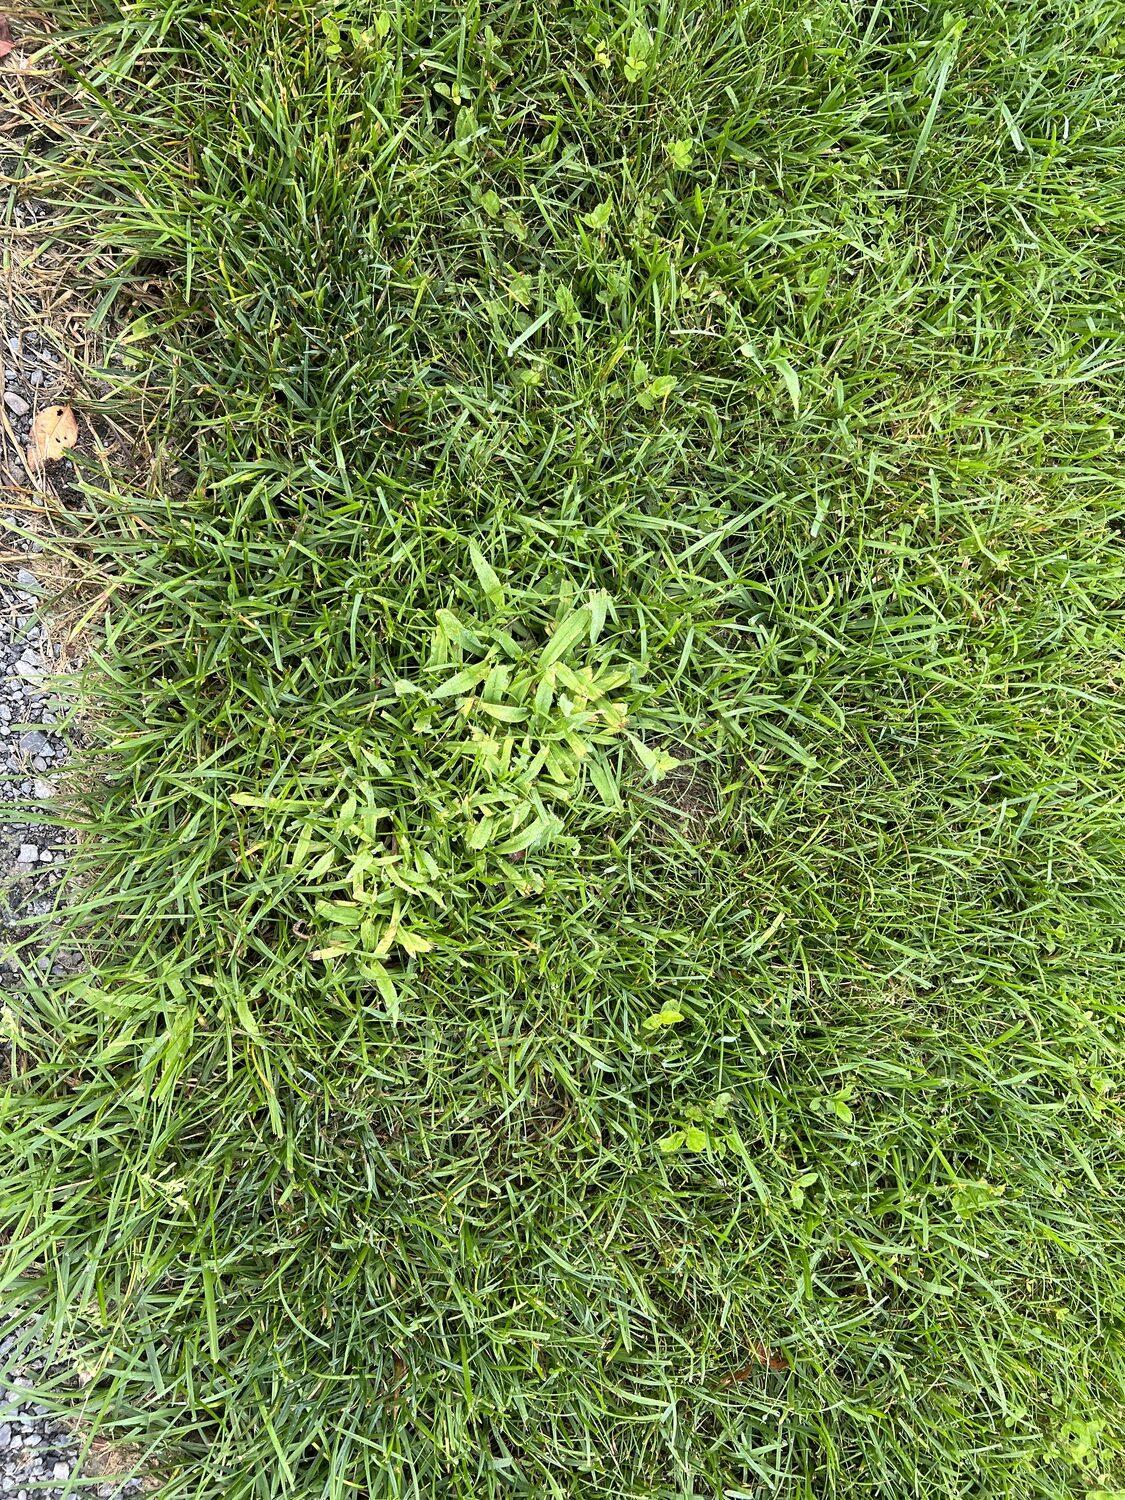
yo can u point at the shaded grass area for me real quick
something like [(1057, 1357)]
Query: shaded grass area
[(605, 872)]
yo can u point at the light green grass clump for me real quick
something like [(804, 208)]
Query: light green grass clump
[(606, 889)]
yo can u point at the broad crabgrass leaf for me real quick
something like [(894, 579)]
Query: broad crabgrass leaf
[(487, 576), (457, 633), (507, 713), (380, 976), (656, 762), (604, 783), (791, 382), (481, 834), (544, 693), (600, 601), (567, 635), (246, 1016), (413, 942), (327, 861), (461, 682), (562, 764), (335, 950), (303, 846), (540, 832)]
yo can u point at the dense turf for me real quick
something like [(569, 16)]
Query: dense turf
[(607, 874)]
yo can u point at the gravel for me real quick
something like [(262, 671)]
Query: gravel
[(38, 1452)]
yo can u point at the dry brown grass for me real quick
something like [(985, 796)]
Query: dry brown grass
[(47, 282)]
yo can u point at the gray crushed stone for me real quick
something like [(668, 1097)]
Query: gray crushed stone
[(39, 1454)]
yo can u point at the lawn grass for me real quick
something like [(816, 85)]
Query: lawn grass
[(604, 869)]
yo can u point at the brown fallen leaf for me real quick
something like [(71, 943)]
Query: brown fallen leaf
[(52, 433), (763, 1359), (6, 43)]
